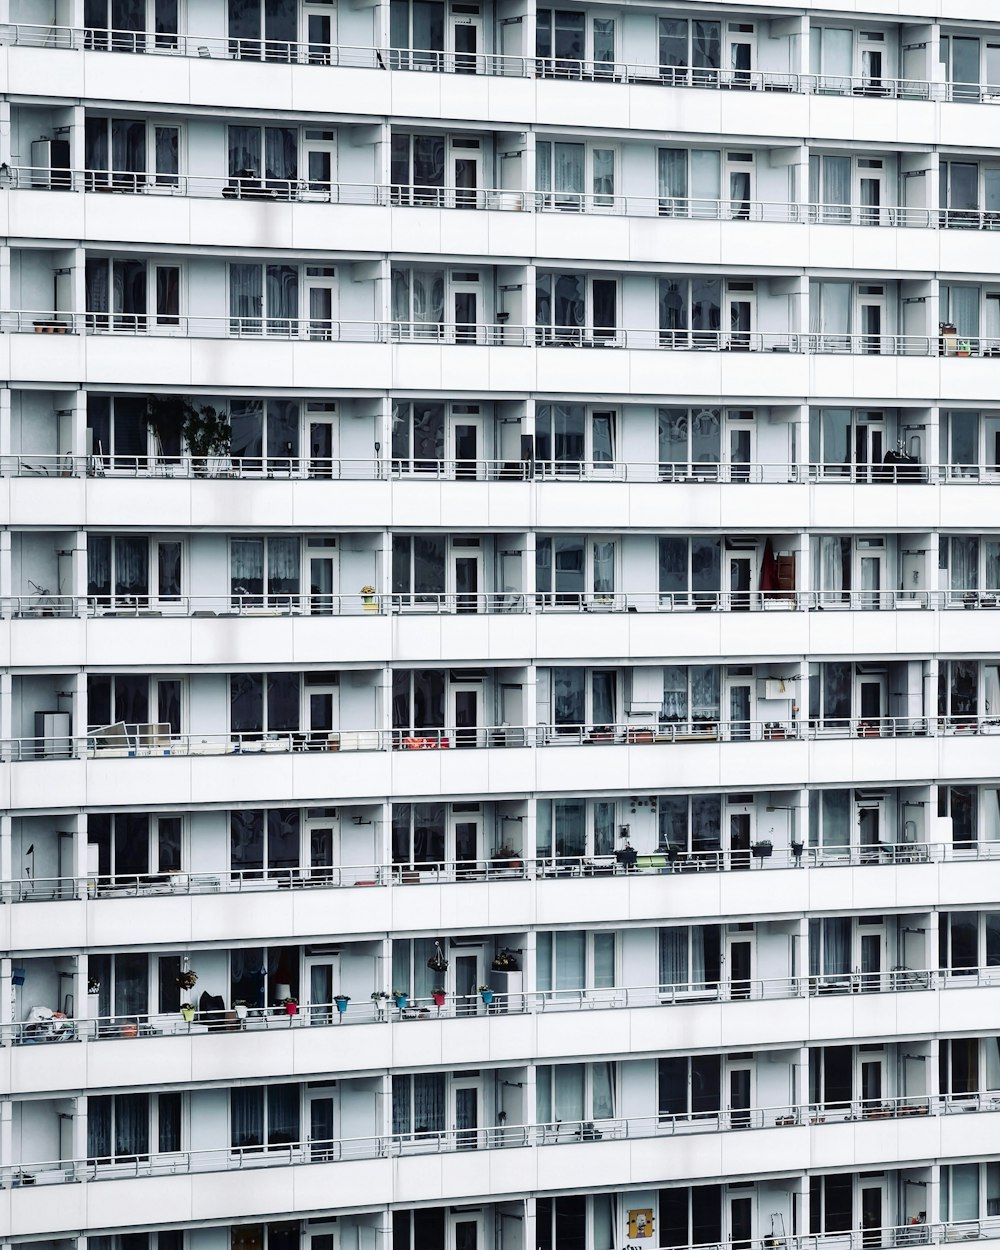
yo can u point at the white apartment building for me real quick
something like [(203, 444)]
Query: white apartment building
[(499, 599)]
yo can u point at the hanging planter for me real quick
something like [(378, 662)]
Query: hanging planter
[(438, 995), (342, 1000), (437, 962), (486, 994), (186, 980)]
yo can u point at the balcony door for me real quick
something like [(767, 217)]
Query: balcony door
[(322, 976)]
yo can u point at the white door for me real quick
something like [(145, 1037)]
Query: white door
[(467, 1230), (739, 705), (323, 450), (741, 582), (740, 184), (742, 41), (320, 162), (321, 301), (467, 837), (467, 311), (871, 192), (872, 325), (738, 954), (467, 580), (319, 23), (467, 37), (467, 444), (323, 851), (322, 985), (739, 321), (468, 974), (465, 1112), (467, 714), (467, 173), (737, 1091)]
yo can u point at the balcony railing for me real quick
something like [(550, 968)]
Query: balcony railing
[(488, 334), (499, 1137), (259, 189), (545, 867), (495, 64), (540, 470), (148, 740), (424, 603), (47, 1027)]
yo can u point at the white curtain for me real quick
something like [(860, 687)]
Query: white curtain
[(831, 567)]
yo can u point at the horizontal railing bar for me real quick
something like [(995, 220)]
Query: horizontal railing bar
[(494, 1137), (542, 867), (154, 739), (382, 58)]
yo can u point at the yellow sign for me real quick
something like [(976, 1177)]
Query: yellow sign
[(640, 1223)]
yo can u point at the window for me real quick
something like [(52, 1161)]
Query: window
[(831, 1076), (574, 176), (689, 822), (689, 1086), (417, 436), (560, 42), (265, 843), (261, 30), (263, 299), (575, 1092), (961, 57), (121, 25), (831, 55), (418, 833), (119, 1127), (570, 437), (423, 1228), (830, 691), (968, 940), (960, 307), (690, 51), (270, 563), (690, 441), (135, 844), (265, 155), (264, 1115), (417, 168), (831, 1200), (117, 430), (124, 981), (576, 1222), (690, 311), (575, 959), (418, 699), (690, 570), (690, 957), (573, 571), (573, 828), (830, 179), (418, 1103), (418, 568), (265, 435), (416, 25), (830, 949), (119, 151), (264, 703), (961, 804), (575, 308), (256, 972), (689, 182), (123, 295), (283, 1236), (691, 1215), (830, 819), (958, 691), (578, 697), (118, 568), (691, 694), (418, 302)]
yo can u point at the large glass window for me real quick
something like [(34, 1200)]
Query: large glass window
[(267, 566)]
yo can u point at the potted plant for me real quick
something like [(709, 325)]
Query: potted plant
[(341, 1000), (506, 857), (187, 1011), (291, 1005), (762, 849), (438, 994), (379, 997), (437, 962), (486, 994), (94, 985), (401, 998), (186, 980), (505, 961), (627, 856), (368, 599), (203, 429), (797, 849), (241, 1007)]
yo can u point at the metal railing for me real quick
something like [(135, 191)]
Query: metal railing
[(539, 470), (543, 867), (261, 188), (488, 334), (493, 64), (261, 1154), (424, 603), (147, 740), (55, 1028)]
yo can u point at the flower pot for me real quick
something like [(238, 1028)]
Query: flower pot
[(487, 996), (188, 1014), (241, 1011), (292, 1008), (438, 996), (341, 1004), (761, 850), (401, 1001)]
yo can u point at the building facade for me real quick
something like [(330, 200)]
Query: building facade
[(495, 614)]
